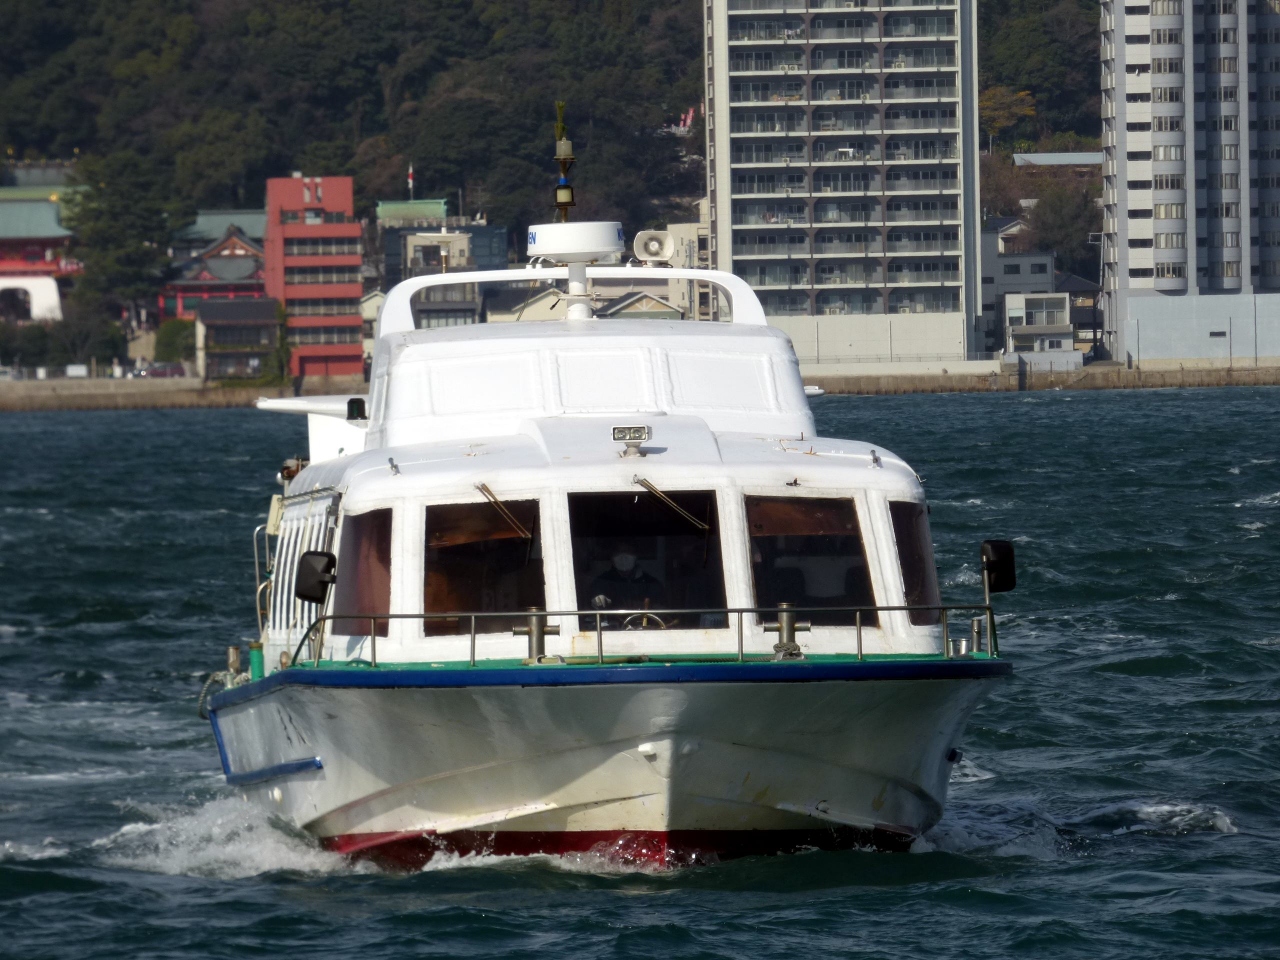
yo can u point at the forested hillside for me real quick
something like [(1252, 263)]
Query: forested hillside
[(203, 99)]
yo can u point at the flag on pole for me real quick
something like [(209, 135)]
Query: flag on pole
[(411, 181)]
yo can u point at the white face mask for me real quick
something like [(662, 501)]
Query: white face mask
[(624, 562)]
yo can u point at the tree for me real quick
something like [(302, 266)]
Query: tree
[(176, 340), (83, 334), (1001, 108), (122, 231), (1062, 221), (280, 358)]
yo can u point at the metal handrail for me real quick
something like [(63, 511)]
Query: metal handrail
[(533, 625)]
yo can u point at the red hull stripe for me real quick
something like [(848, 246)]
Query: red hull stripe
[(410, 851)]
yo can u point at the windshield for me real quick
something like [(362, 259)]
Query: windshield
[(915, 553), (631, 551), (808, 552), (477, 561), (363, 583)]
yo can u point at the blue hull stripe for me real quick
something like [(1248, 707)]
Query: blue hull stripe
[(270, 773), (660, 673)]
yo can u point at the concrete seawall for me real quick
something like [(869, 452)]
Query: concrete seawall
[(102, 394), (1095, 377), (27, 395)]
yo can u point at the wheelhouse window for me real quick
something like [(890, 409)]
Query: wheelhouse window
[(633, 551), (363, 585), (808, 551), (482, 558), (915, 554)]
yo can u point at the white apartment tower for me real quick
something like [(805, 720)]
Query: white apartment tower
[(843, 165), (1191, 136)]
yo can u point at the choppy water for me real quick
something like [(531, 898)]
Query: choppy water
[(1120, 797)]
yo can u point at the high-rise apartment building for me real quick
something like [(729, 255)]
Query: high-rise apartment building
[(1191, 189), (842, 166), (313, 257)]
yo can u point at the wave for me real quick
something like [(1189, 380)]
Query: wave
[(1163, 819), (27, 852), (225, 839)]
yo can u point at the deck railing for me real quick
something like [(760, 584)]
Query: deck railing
[(782, 620)]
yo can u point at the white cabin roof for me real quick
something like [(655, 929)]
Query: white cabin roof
[(483, 381)]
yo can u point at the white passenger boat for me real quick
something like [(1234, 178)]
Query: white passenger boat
[(597, 586)]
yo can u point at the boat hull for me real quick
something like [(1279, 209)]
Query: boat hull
[(666, 766)]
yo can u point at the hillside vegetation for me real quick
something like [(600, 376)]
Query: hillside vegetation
[(207, 98)]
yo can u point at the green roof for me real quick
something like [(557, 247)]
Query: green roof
[(30, 220), (412, 210), (212, 225)]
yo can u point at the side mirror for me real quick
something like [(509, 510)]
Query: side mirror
[(1000, 574), (315, 573)]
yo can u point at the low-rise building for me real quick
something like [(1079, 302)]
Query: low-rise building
[(235, 338), (1038, 331), (231, 267)]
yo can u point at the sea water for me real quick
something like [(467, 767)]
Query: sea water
[(1119, 797)]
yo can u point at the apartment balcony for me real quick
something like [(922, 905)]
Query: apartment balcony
[(773, 250), (921, 93), (756, 156), (930, 215), (846, 154), (899, 276), (849, 216), (914, 155), (837, 304), (899, 188), (918, 61), (793, 92), (767, 64), (918, 27), (823, 60), (768, 124), (940, 301), (847, 274), (774, 215), (850, 94), (762, 31), (845, 33), (922, 246), (775, 275), (920, 123), (838, 248), (739, 6), (769, 190), (853, 188), (845, 123)]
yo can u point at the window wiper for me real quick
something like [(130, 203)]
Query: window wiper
[(501, 507), (705, 528)]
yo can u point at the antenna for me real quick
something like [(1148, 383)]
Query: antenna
[(564, 157)]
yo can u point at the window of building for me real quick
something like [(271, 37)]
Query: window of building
[(363, 584), (1012, 269), (322, 307), (1170, 270), (1140, 273), (1039, 268), (1138, 126), (321, 246), (1168, 181), (302, 336), (484, 559), (1139, 243), (633, 551), (1168, 211), (1138, 155), (809, 552), (1139, 184), (1170, 241)]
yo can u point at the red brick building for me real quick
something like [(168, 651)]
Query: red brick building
[(313, 258)]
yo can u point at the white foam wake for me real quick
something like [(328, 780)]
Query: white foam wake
[(226, 839)]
